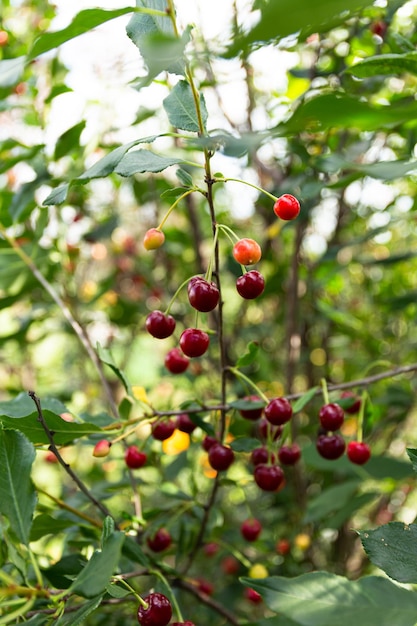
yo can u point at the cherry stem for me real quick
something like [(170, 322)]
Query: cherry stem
[(228, 232), (124, 435), (141, 601), (175, 296), (173, 599), (209, 271), (325, 391), (172, 207), (361, 416), (247, 380), (245, 182)]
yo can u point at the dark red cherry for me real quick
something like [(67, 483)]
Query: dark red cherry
[(356, 402), (358, 452), (251, 529), (268, 477), (176, 362), (252, 414), (330, 447), (260, 455), (289, 455), (185, 423), (331, 416), (160, 541), (278, 411), (194, 342), (266, 429), (208, 442), (158, 611), (162, 430), (134, 458), (203, 296), (252, 595), (250, 285), (220, 457), (160, 325)]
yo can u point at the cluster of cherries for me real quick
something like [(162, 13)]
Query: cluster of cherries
[(204, 294)]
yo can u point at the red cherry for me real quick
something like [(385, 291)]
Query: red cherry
[(358, 452), (252, 595), (208, 442), (162, 430), (260, 456), (356, 402), (220, 457), (283, 547), (194, 342), (186, 623), (230, 565), (268, 477), (331, 416), (250, 285), (176, 362), (203, 296), (247, 251), (266, 429), (251, 529), (289, 455), (330, 447), (278, 411), (158, 611), (210, 549), (287, 207), (205, 586), (252, 414), (153, 239), (160, 541), (160, 325), (379, 28), (102, 448), (185, 423), (134, 458)]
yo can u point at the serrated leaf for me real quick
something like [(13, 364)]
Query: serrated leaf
[(324, 599), (17, 494), (106, 357), (385, 64), (300, 403), (64, 432), (392, 547), (57, 196), (83, 22), (249, 356), (11, 71), (96, 575), (181, 108), (244, 444), (141, 161)]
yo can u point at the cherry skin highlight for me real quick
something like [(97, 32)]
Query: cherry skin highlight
[(163, 430), (194, 342), (268, 477), (247, 251), (220, 457), (203, 296), (331, 416), (176, 362), (330, 447), (287, 207), (278, 411), (158, 611), (160, 541), (250, 285), (358, 452), (160, 325), (153, 239), (134, 458)]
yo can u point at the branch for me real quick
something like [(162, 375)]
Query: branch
[(205, 599)]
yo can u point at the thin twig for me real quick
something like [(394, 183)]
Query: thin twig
[(61, 461), (205, 599)]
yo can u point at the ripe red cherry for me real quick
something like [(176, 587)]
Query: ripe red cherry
[(283, 546), (331, 416), (250, 285), (203, 296), (220, 457), (185, 423), (268, 477), (158, 611), (194, 342), (247, 251), (230, 565), (330, 447), (252, 414), (205, 586), (289, 455), (134, 458), (287, 207), (252, 595), (278, 411), (210, 549), (251, 529), (153, 239), (162, 430), (208, 442), (160, 541), (358, 452), (160, 325), (356, 402), (187, 623), (260, 455), (265, 428), (176, 362)]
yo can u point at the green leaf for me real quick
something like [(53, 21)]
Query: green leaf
[(184, 177), (244, 404), (181, 108), (142, 24), (116, 591), (300, 403), (384, 170), (283, 18), (386, 64), (141, 161), (68, 140), (96, 575), (78, 617), (17, 494), (249, 356), (11, 71), (62, 573), (392, 547), (244, 444), (134, 552), (83, 22), (45, 524), (22, 405), (106, 357), (330, 500), (324, 599), (412, 455), (57, 196)]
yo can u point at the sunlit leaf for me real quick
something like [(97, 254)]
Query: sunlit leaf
[(141, 161), (392, 548), (11, 71), (385, 64), (181, 108)]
